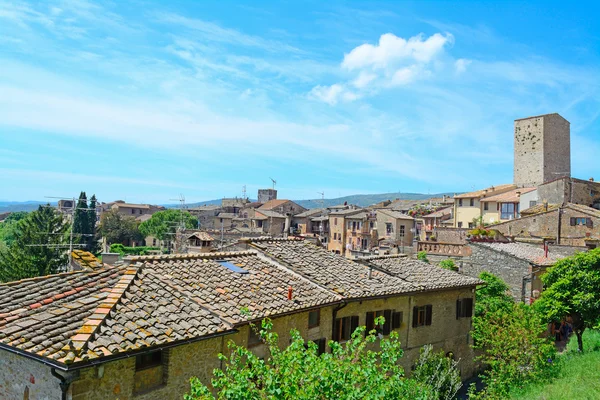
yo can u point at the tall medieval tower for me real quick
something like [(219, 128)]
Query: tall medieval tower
[(542, 149)]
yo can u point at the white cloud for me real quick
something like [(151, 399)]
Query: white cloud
[(394, 61), (461, 65), (364, 79), (393, 49)]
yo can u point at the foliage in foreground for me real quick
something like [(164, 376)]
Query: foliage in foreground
[(438, 372), (572, 289), (350, 371), (39, 246), (511, 338)]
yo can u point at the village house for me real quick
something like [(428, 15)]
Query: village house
[(504, 206), (395, 230), (361, 233), (518, 264), (282, 206), (338, 230), (569, 224), (199, 242), (142, 329), (468, 206), (439, 218)]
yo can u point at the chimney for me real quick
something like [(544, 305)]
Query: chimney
[(518, 194), (110, 258), (370, 272), (290, 292)]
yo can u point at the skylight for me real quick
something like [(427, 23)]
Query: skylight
[(232, 267)]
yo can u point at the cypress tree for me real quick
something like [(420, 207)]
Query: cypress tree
[(40, 246), (93, 245)]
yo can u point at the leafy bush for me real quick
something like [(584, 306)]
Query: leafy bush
[(438, 372), (422, 256), (448, 264), (131, 251), (350, 371), (510, 336)]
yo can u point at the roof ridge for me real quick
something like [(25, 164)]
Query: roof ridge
[(78, 342), (39, 278), (383, 256), (191, 256), (272, 239)]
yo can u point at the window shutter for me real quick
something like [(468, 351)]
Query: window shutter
[(589, 223), (370, 321), (336, 330), (397, 320), (573, 221), (458, 305), (387, 326), (415, 317), (353, 324), (469, 308), (429, 311), (321, 345)]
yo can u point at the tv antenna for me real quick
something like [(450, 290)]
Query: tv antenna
[(274, 182)]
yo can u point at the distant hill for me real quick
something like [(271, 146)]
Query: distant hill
[(362, 200), (14, 206)]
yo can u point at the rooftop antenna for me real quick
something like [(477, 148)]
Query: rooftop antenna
[(274, 182), (180, 227), (243, 192)]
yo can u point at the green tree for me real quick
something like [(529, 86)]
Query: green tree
[(572, 289), (39, 247), (511, 339), (9, 227), (84, 223), (350, 371), (116, 228), (163, 224)]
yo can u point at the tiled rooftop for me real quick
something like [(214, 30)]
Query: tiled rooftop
[(160, 299), (512, 196), (202, 236), (429, 277), (336, 273), (528, 252), (486, 192)]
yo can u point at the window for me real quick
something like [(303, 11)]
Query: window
[(371, 225), (259, 224), (344, 328), (393, 320), (532, 203), (507, 211), (153, 242), (464, 308), (422, 315), (253, 337), (460, 224), (314, 318), (485, 206), (402, 230), (470, 225), (389, 229), (460, 202), (582, 221), (150, 371), (335, 221), (133, 210), (334, 235), (471, 202)]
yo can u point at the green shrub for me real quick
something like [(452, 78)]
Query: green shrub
[(438, 372), (131, 251), (422, 256), (448, 264)]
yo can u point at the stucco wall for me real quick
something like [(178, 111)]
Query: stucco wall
[(466, 212)]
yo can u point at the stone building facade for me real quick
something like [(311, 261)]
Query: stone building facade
[(570, 190), (542, 149)]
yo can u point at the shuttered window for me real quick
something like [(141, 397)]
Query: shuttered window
[(384, 329), (422, 316), (344, 328), (464, 308)]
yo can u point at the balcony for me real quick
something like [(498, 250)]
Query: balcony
[(446, 249)]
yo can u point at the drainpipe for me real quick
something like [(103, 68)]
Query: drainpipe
[(559, 225), (64, 384)]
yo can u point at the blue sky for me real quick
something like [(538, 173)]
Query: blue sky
[(145, 100)]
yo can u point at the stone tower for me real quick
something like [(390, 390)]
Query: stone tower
[(265, 195), (542, 149)]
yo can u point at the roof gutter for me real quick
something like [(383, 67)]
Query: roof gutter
[(114, 357)]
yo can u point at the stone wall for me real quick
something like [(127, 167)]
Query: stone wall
[(510, 269), (22, 378)]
